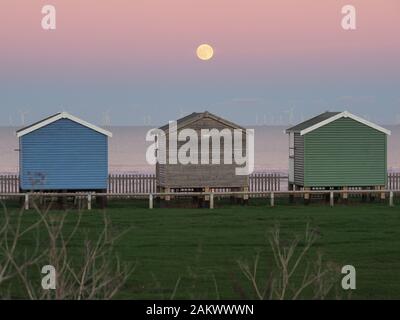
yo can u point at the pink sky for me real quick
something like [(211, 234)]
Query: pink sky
[(141, 53), (159, 33)]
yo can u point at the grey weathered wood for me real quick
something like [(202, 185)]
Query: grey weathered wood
[(391, 203), (211, 195), (393, 181), (89, 201), (26, 201), (150, 201), (9, 184), (138, 183), (201, 175)]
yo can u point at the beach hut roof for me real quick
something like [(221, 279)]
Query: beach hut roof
[(56, 117), (195, 116), (328, 117)]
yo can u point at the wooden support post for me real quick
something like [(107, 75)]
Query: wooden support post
[(26, 204), (306, 195), (211, 200), (332, 199), (246, 196), (291, 187), (272, 199), (391, 203), (345, 195), (102, 200), (206, 197), (89, 201), (151, 201), (383, 194)]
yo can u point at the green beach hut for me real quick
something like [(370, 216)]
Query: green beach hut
[(337, 150)]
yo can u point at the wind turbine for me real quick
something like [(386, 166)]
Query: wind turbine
[(397, 118), (23, 114), (290, 113), (106, 118), (273, 120)]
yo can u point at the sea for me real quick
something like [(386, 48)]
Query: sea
[(127, 150)]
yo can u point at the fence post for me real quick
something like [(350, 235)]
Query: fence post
[(211, 200), (391, 199), (332, 199), (272, 199), (26, 201), (89, 201), (150, 201)]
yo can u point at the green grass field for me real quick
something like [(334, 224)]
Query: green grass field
[(200, 247)]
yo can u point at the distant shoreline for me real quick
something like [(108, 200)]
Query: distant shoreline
[(128, 147)]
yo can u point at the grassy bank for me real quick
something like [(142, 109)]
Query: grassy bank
[(194, 252)]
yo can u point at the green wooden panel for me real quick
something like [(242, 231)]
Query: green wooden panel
[(345, 153), (299, 159)]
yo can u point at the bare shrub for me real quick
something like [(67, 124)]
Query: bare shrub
[(11, 266), (96, 274), (293, 274)]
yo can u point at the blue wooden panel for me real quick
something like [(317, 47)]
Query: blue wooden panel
[(64, 156)]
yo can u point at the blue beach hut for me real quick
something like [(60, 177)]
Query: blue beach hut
[(63, 153)]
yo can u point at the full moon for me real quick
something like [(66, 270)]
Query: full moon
[(205, 52)]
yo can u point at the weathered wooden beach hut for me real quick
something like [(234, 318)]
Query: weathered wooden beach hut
[(63, 153), (202, 176), (337, 150)]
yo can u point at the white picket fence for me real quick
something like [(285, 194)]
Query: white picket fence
[(146, 183)]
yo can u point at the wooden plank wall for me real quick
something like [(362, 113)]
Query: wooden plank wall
[(393, 182), (132, 183), (138, 183), (142, 183), (266, 182), (9, 183), (146, 183)]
